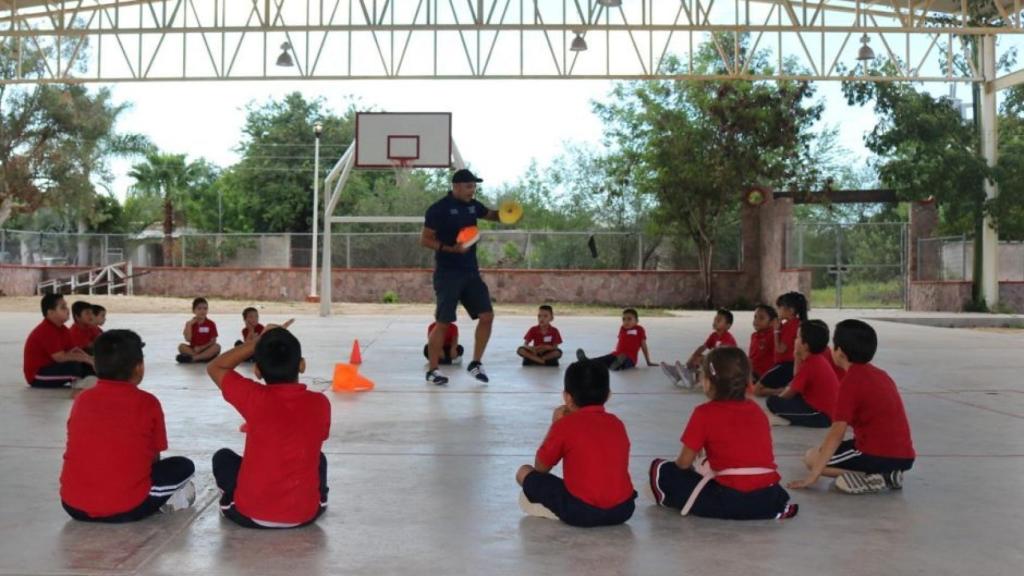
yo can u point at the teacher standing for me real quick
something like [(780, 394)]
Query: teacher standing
[(456, 272)]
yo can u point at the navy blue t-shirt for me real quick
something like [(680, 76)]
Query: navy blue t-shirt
[(447, 217)]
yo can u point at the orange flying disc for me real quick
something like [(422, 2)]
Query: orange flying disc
[(468, 236)]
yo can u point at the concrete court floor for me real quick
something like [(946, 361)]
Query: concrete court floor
[(422, 478)]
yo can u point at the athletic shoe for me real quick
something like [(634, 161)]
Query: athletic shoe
[(477, 370), (457, 360), (672, 374), (581, 355), (686, 375), (84, 383), (436, 378), (182, 499), (788, 512), (532, 509), (183, 359), (652, 476), (860, 483), (776, 420), (617, 363), (894, 479)]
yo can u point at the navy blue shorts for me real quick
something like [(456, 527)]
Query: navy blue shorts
[(847, 457), (797, 411), (779, 376), (454, 286), (672, 488), (550, 491)]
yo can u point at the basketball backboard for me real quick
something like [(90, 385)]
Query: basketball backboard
[(403, 139)]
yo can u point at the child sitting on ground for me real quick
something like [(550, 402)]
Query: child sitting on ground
[(280, 481), (83, 329), (50, 359), (593, 443), (252, 327), (540, 345), (112, 467), (632, 339), (738, 479), (792, 311), (869, 402), (451, 350), (720, 336), (201, 336), (762, 341), (99, 318), (810, 399)]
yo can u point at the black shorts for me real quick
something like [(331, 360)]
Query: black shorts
[(847, 457), (797, 411), (550, 491), (779, 376), (672, 488), (453, 286)]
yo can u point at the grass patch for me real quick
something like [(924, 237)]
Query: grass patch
[(861, 295)]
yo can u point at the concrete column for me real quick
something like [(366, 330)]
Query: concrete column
[(924, 221), (989, 148)]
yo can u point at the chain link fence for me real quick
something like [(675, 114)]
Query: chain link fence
[(394, 248), (951, 258)]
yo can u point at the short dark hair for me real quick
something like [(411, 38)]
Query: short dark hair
[(248, 310), (547, 308), (769, 310), (725, 314), (78, 307), (278, 354), (50, 301), (198, 301), (814, 333), (631, 311), (586, 382), (116, 354), (728, 369), (97, 309), (857, 339)]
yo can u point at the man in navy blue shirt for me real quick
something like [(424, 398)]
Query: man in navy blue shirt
[(456, 274)]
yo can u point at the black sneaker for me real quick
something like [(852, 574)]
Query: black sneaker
[(183, 359), (477, 370), (436, 378), (617, 363), (894, 479), (581, 355)]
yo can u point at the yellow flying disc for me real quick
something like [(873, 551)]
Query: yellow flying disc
[(468, 236), (510, 212)]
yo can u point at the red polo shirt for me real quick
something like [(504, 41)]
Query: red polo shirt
[(45, 340), (630, 341), (280, 476), (537, 337), (595, 447), (787, 335), (115, 433), (817, 383), (762, 351), (870, 403), (83, 335), (840, 373), (202, 333), (258, 329), (716, 340), (734, 434), (449, 336)]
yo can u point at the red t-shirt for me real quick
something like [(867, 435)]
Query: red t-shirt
[(817, 383), (258, 329), (870, 403), (449, 336), (762, 351), (787, 335), (202, 333), (717, 341), (630, 341), (733, 434), (45, 340), (595, 447), (840, 373), (280, 476), (535, 337), (115, 432), (83, 335)]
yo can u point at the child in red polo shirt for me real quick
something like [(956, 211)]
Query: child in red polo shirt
[(99, 318), (737, 478), (50, 359), (720, 336), (869, 402), (810, 399), (280, 481), (792, 311), (540, 345), (632, 339), (451, 350), (201, 334), (83, 328), (594, 449), (252, 327), (762, 341), (112, 468)]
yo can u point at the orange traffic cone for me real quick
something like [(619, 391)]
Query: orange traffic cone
[(356, 357), (347, 379)]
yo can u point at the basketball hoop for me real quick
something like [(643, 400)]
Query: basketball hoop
[(403, 168)]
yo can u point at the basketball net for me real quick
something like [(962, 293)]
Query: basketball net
[(402, 168)]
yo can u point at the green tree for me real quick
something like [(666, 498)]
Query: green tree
[(167, 177)]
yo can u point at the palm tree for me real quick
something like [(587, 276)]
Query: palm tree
[(166, 176)]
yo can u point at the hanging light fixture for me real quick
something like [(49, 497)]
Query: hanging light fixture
[(578, 43), (285, 59), (610, 3), (865, 53)]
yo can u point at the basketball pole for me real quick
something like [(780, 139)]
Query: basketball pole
[(318, 129), (339, 176)]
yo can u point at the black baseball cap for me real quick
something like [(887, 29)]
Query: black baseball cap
[(464, 175)]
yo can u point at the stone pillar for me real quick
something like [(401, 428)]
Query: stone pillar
[(923, 264), (776, 215)]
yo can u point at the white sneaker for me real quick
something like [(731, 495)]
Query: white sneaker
[(182, 499), (531, 509), (860, 483), (84, 383), (672, 373), (686, 375), (457, 360), (776, 420)]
